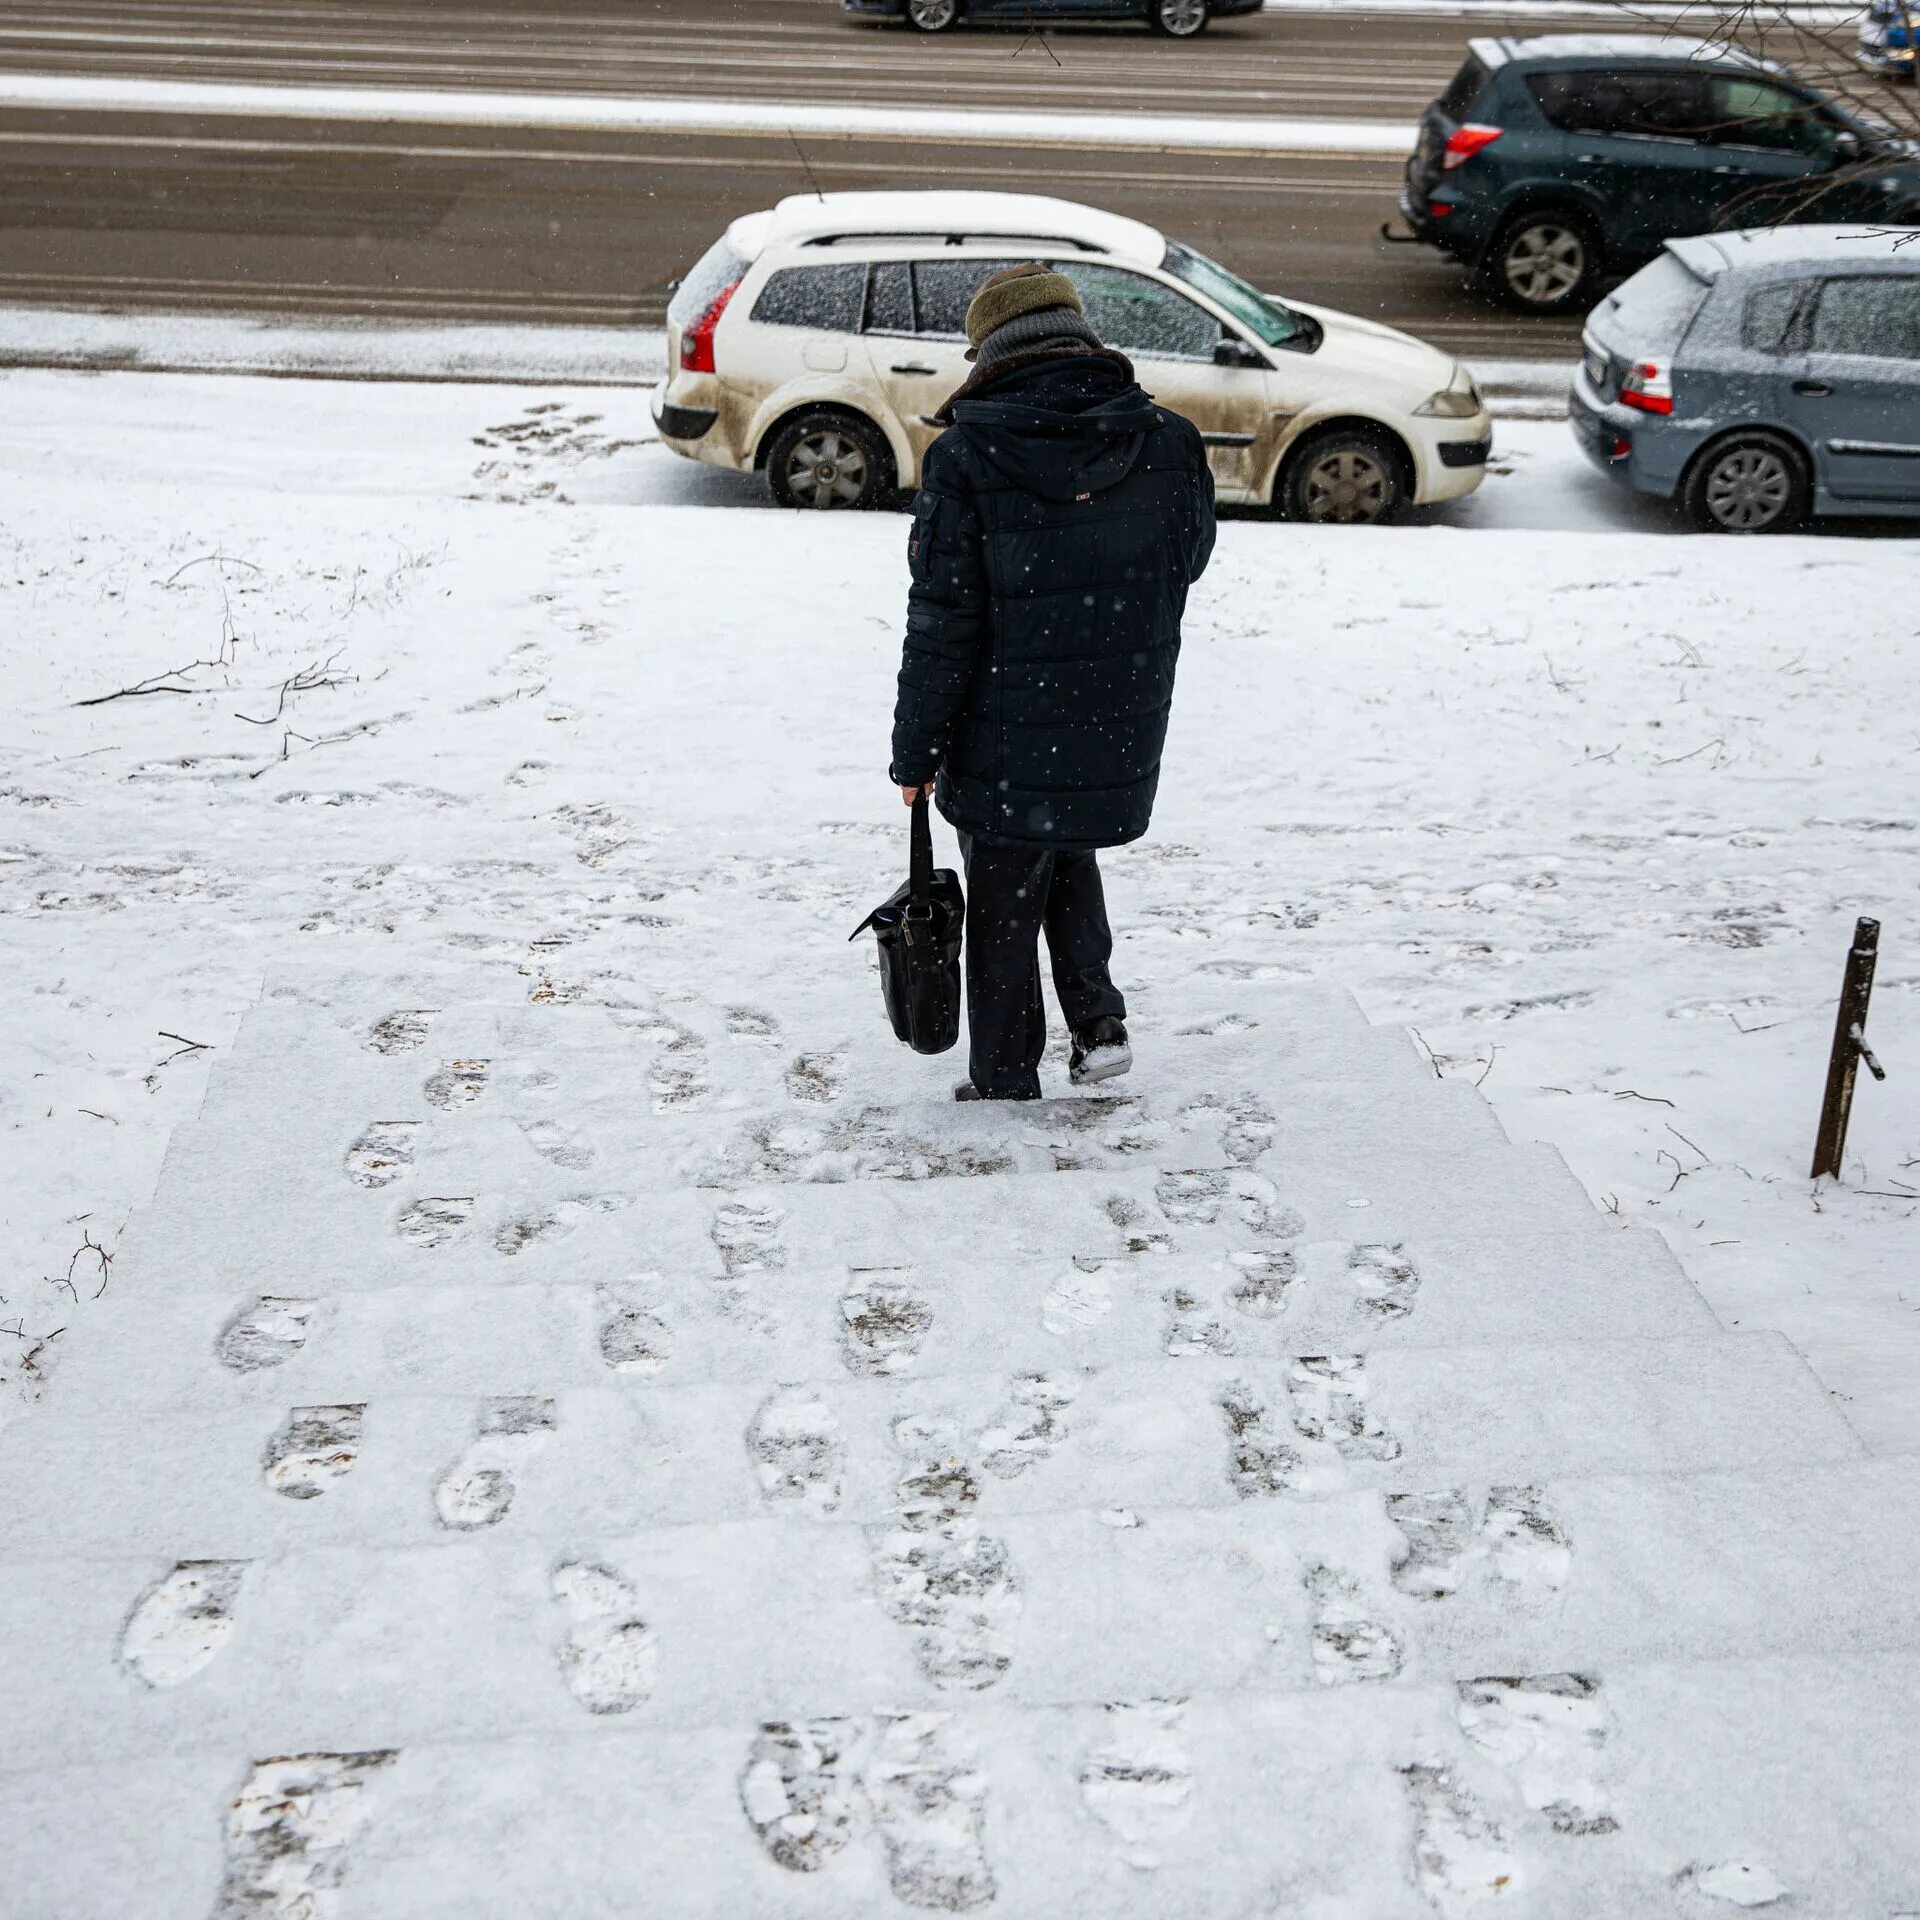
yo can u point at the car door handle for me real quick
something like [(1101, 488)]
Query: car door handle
[(913, 366), (1813, 389), (1740, 171)]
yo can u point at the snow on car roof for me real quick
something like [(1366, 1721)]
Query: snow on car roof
[(1711, 254), (1624, 46), (819, 219)]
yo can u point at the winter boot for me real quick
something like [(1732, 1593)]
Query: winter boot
[(1100, 1052), (966, 1090)]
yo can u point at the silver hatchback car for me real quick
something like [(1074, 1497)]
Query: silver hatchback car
[(1762, 377)]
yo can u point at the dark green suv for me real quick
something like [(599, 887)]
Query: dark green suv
[(1552, 165)]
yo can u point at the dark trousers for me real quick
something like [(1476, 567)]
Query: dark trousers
[(1013, 892)]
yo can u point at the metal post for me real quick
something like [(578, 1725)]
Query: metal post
[(1849, 1046)]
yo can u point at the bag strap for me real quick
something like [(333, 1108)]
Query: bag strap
[(920, 855)]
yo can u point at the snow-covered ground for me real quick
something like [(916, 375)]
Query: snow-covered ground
[(1590, 804)]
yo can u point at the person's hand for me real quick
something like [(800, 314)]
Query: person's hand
[(908, 795)]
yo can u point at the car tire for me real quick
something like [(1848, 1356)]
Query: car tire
[(1750, 482), (1343, 476), (932, 16), (1546, 261), (830, 460), (1178, 19)]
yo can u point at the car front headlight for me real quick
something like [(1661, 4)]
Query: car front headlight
[(1461, 401)]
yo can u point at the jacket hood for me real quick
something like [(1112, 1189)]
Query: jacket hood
[(1061, 425)]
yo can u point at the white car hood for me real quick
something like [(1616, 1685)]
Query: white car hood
[(1369, 351)]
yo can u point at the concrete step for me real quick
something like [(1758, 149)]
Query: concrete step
[(524, 1092), (202, 1475), (1650, 1789), (941, 1316), (522, 1631), (215, 1224)]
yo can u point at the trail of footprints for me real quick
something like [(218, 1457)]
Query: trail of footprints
[(909, 1784)]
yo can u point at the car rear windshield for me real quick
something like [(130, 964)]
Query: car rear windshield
[(1655, 308), (720, 267), (1463, 89), (1264, 317)]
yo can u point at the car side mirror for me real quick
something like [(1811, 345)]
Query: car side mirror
[(1847, 148), (1232, 352)]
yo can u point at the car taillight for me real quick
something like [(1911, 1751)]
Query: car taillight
[(1648, 386), (1464, 142), (696, 343)]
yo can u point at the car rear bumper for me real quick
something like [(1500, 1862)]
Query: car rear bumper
[(1646, 452), (683, 428), (1461, 230)]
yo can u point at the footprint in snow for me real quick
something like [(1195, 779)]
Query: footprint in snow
[(883, 1322), (513, 1237), (1444, 1539), (552, 1142), (1029, 1426), (1267, 1277), (182, 1621), (1080, 1298), (1347, 1642), (383, 1152), (799, 1454), (816, 1078), (1460, 1854), (938, 1572), (1549, 1733), (1259, 1461), (478, 1489), (1192, 1328), (403, 1031), (929, 1797), (457, 1084), (795, 1794), (290, 1834), (609, 1656), (1384, 1279), (633, 1336), (315, 1447), (433, 1222), (1329, 1401), (752, 1026), (1138, 1781), (266, 1334)]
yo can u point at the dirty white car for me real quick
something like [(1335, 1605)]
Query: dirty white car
[(816, 341)]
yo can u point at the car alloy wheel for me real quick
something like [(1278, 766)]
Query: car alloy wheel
[(1749, 488), (1179, 19), (933, 16), (826, 469), (1345, 486), (1544, 263)]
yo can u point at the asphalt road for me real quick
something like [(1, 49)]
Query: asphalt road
[(274, 214)]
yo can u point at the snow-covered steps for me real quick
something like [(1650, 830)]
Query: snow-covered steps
[(512, 1335), (1650, 1789), (214, 1226), (242, 1473), (509, 1633), (307, 1108)]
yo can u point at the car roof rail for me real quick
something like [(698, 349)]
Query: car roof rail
[(951, 239)]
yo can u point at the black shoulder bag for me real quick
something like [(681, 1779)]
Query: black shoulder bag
[(918, 929)]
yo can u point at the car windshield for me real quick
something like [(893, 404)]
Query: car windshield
[(1264, 317)]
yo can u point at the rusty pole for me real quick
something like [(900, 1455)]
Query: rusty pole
[(1849, 1049)]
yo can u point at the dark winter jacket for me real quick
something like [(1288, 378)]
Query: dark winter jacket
[(1060, 521)]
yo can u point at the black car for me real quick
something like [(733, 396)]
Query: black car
[(1553, 165), (1177, 19)]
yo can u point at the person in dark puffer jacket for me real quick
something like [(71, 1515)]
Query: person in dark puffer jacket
[(1060, 521)]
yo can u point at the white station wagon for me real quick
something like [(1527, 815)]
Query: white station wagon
[(817, 341)]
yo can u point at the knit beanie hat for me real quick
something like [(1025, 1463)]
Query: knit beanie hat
[(1014, 292)]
